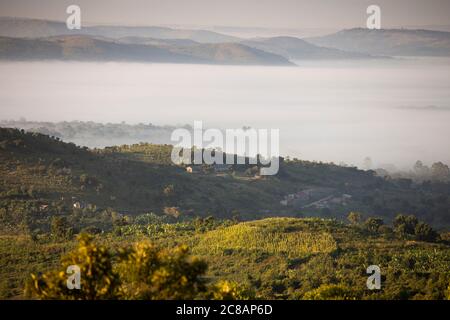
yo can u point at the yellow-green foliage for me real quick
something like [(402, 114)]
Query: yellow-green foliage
[(229, 290), (259, 236), (448, 292), (98, 280), (332, 292), (150, 273), (142, 271)]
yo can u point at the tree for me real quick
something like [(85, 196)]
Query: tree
[(440, 171), (373, 224), (405, 225), (332, 292), (410, 226), (118, 219), (229, 290), (98, 280), (354, 217), (150, 273), (424, 232), (142, 271), (421, 170)]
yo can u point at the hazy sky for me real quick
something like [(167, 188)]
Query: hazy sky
[(246, 13)]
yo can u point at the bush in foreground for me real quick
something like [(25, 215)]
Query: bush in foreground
[(142, 271)]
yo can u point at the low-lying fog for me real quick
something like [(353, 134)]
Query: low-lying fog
[(395, 111)]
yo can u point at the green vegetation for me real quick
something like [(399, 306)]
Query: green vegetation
[(141, 212), (42, 177), (142, 271), (129, 262), (258, 236)]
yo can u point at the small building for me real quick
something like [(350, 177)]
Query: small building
[(78, 205), (193, 169)]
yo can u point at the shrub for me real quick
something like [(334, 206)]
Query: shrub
[(354, 218), (373, 224), (424, 232), (229, 290), (405, 225), (409, 226), (332, 292), (98, 280), (142, 271), (150, 273)]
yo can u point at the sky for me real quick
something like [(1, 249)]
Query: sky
[(242, 13)]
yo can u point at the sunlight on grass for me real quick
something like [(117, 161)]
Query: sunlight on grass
[(259, 236)]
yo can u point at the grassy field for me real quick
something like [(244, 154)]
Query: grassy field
[(276, 258), (267, 236)]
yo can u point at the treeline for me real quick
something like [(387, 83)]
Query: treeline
[(404, 227), (94, 134), (43, 177), (437, 172)]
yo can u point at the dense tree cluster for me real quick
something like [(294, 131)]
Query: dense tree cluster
[(404, 227)]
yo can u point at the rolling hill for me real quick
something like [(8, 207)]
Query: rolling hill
[(232, 53), (96, 135), (84, 48), (274, 258), (298, 49), (88, 48), (392, 42), (35, 28), (51, 191), (38, 170)]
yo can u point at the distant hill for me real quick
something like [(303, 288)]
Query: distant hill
[(97, 135), (232, 53), (37, 170), (226, 53), (158, 42), (35, 28), (85, 48), (23, 49), (393, 42), (298, 49), (88, 48)]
